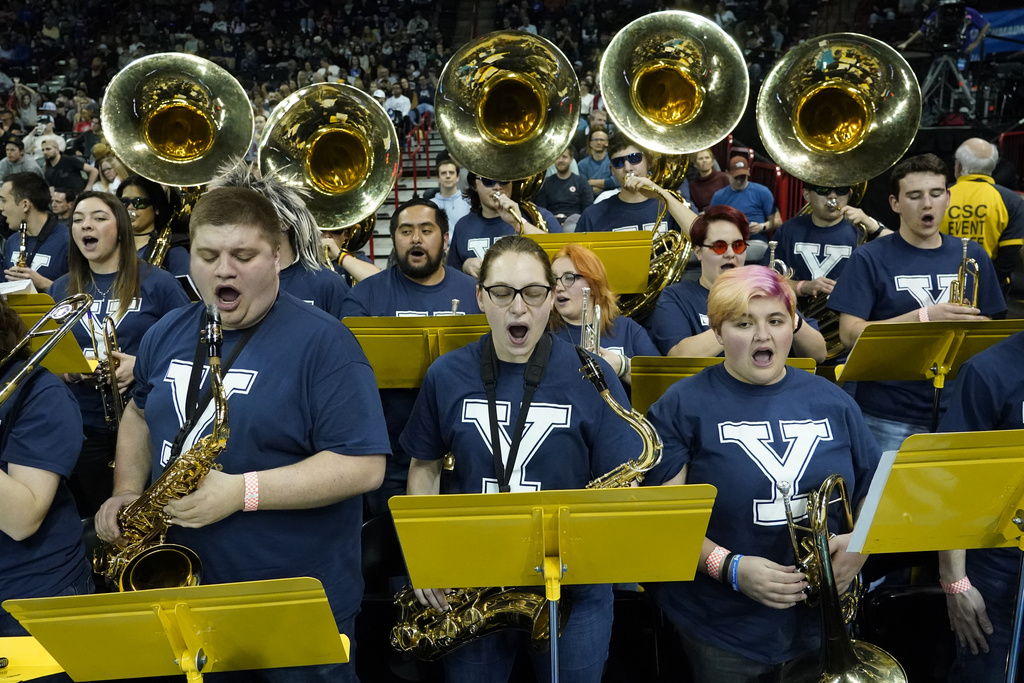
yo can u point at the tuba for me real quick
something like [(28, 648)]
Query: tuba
[(840, 658), (968, 270), (838, 110), (474, 612), (336, 145), (507, 104), (144, 560), (174, 118), (66, 315), (675, 83)]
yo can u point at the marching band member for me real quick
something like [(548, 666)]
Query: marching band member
[(419, 284), (576, 267), (287, 502), (25, 197), (981, 585), (475, 395), (490, 218), (906, 277), (41, 553), (744, 426), (151, 211), (103, 263), (680, 325), (638, 202)]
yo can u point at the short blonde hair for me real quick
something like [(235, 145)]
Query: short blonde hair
[(731, 294)]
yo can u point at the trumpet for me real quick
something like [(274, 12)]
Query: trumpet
[(455, 306), (591, 327), (968, 269), (22, 261), (778, 264), (106, 381)]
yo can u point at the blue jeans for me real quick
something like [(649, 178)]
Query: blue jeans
[(710, 664), (582, 647), (890, 434)]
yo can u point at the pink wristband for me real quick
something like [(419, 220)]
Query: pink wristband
[(799, 287), (922, 314), (961, 586), (251, 502), (714, 562)]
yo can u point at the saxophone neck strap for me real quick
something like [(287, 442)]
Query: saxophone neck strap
[(194, 406), (489, 370)]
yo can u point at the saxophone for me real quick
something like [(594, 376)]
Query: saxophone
[(160, 247), (474, 612), (22, 261), (143, 560)]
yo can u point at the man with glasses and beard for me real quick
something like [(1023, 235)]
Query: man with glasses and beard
[(419, 284)]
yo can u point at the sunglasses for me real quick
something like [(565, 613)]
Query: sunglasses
[(487, 182), (136, 203), (634, 158), (823, 191), (720, 246)]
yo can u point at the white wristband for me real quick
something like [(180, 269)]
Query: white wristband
[(251, 502)]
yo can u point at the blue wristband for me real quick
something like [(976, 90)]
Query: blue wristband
[(734, 572)]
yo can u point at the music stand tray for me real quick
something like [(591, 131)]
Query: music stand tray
[(196, 630), (66, 356), (626, 255)]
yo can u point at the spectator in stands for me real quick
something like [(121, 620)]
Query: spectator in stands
[(398, 107), (447, 196), (63, 170), (708, 180), (9, 126), (62, 200), (112, 172), (595, 168), (28, 103), (424, 99), (565, 194), (16, 161), (86, 140), (755, 201)]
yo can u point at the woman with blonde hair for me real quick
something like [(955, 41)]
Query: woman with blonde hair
[(576, 267), (112, 173)]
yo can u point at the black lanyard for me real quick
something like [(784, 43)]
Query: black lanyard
[(535, 368), (193, 407), (51, 223)]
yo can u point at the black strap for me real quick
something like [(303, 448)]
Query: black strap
[(193, 407), (535, 368), (48, 228)]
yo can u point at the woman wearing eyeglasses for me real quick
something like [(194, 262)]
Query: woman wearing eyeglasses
[(817, 245), (679, 325), (150, 212), (746, 425), (103, 263), (490, 218), (639, 200), (555, 433), (576, 267)]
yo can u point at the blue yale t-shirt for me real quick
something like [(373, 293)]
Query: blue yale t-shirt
[(571, 435), (682, 312), (989, 396), (159, 293), (176, 261), (813, 251), (475, 234), (300, 386), (889, 277), (50, 258), (615, 215), (626, 337), (744, 439), (40, 427), (323, 288)]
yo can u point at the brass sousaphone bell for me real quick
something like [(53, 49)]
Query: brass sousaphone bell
[(675, 83), (336, 145)]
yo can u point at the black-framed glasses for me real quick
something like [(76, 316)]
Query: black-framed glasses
[(487, 182), (503, 295), (720, 246), (136, 202), (634, 158), (822, 191), (568, 279)]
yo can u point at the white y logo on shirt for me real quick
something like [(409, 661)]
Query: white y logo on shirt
[(834, 253), (920, 287)]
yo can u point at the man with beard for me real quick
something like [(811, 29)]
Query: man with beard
[(419, 284), (64, 170)]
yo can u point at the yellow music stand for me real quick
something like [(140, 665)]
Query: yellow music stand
[(921, 351), (554, 538), (401, 349), (197, 630), (653, 375), (66, 356), (626, 255)]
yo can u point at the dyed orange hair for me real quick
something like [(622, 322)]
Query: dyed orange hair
[(590, 266)]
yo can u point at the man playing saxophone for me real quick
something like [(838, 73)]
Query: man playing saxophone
[(295, 465)]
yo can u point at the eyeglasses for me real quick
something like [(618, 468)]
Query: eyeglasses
[(720, 246), (634, 158), (568, 279), (136, 203), (822, 191), (503, 295), (487, 182)]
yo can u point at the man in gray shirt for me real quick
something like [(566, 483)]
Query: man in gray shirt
[(16, 160)]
